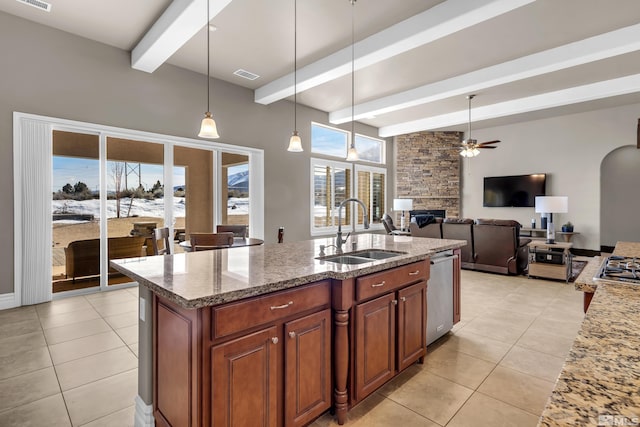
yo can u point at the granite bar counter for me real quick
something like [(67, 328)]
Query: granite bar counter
[(599, 384), (234, 325), (209, 278)]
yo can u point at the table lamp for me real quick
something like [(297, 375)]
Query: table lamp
[(550, 205), (402, 205)]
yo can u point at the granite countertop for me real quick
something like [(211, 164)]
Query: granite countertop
[(207, 278), (585, 281), (600, 380)]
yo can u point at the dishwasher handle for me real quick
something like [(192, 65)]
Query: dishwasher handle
[(446, 258)]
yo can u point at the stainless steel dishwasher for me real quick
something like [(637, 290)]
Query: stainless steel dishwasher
[(440, 295)]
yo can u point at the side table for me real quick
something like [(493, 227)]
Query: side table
[(541, 255)]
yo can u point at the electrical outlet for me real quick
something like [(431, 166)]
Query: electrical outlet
[(143, 312)]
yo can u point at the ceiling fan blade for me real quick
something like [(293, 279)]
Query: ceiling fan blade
[(489, 142), (485, 146)]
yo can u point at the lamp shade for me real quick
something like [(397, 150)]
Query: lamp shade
[(208, 128), (552, 204), (402, 204), (295, 143)]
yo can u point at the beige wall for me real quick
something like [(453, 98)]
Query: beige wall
[(52, 73), (570, 149)]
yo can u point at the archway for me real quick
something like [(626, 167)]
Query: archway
[(619, 200)]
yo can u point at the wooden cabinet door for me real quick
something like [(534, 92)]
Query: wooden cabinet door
[(244, 380), (375, 344), (456, 286), (307, 381), (412, 324)]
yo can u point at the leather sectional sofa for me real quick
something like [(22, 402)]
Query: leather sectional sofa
[(493, 245)]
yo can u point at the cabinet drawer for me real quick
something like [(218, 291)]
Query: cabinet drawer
[(243, 315), (388, 280)]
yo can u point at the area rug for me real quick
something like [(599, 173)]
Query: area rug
[(576, 267)]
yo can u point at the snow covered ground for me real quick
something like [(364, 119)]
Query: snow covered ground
[(140, 207)]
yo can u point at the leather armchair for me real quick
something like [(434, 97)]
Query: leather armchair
[(498, 247), (461, 229), (433, 230), (387, 221)]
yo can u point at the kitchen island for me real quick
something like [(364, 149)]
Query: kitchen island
[(279, 334), (599, 384)]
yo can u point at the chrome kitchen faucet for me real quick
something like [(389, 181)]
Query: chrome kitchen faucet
[(339, 241)]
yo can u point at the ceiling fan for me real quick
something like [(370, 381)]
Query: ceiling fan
[(470, 147)]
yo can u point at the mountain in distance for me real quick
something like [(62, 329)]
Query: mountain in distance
[(239, 181)]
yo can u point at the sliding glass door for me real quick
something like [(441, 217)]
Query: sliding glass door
[(75, 207)]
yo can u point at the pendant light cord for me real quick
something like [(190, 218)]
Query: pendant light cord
[(208, 71), (353, 135)]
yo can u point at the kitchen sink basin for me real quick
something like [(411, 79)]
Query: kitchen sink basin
[(361, 257), (377, 254), (347, 259)]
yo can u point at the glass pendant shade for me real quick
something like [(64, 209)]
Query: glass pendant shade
[(352, 154), (208, 129), (295, 143)]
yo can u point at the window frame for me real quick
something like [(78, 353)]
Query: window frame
[(354, 168), (346, 145), (322, 231), (383, 149), (371, 170)]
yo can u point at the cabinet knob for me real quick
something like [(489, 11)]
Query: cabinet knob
[(377, 285), (274, 340), (395, 302), (292, 334), (403, 299), (414, 273)]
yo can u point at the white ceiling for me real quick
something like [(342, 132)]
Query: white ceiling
[(415, 60)]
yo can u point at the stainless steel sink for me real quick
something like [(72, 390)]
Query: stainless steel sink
[(347, 259), (362, 256), (377, 254)]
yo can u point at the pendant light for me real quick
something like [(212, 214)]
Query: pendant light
[(352, 154), (295, 143), (208, 129)]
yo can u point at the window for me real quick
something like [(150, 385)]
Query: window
[(335, 142), (332, 183), (371, 189), (329, 141), (370, 149)]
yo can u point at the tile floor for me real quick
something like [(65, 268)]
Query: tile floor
[(496, 368), (73, 362), (70, 362)]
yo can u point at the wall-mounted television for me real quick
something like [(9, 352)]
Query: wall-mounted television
[(518, 191)]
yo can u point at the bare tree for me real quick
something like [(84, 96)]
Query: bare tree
[(117, 174)]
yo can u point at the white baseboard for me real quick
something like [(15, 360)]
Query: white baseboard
[(144, 414), (8, 301)]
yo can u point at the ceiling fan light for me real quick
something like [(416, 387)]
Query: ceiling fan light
[(295, 143), (475, 151), (208, 128)]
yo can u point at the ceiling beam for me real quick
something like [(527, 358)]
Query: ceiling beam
[(559, 98), (592, 49), (177, 24), (441, 20)]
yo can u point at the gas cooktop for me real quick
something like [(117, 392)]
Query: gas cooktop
[(624, 269)]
